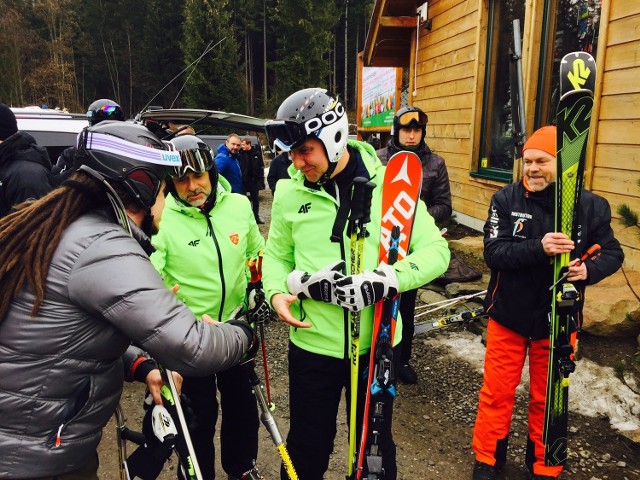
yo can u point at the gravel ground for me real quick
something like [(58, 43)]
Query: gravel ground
[(433, 420)]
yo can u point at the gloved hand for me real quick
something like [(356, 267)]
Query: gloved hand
[(318, 286), (241, 321), (258, 310), (356, 292)]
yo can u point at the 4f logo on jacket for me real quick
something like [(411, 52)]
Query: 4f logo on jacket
[(194, 243), (304, 208)]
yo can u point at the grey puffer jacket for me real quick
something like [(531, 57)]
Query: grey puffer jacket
[(61, 371)]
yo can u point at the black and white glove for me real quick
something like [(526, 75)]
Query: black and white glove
[(318, 286), (356, 292), (258, 310)]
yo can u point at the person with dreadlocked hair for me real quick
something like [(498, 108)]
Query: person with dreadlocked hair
[(78, 289)]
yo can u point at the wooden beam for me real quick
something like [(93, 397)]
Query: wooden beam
[(399, 22)]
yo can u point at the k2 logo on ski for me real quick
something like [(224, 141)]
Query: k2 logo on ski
[(304, 208)]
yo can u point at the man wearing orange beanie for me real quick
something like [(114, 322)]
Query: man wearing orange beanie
[(519, 245)]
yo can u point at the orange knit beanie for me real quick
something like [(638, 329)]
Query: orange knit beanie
[(543, 139)]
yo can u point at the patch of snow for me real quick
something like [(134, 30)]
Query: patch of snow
[(594, 390)]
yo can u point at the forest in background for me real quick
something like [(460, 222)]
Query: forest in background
[(67, 53)]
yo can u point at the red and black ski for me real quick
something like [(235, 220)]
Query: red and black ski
[(400, 196)]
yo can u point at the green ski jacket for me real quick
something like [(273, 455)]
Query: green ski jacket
[(299, 239)]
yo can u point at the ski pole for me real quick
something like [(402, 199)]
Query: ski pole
[(593, 249), (447, 303), (255, 267), (358, 219), (462, 317), (268, 421)]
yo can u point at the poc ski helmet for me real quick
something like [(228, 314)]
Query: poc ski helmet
[(409, 117), (310, 113), (196, 156), (104, 109), (128, 154)]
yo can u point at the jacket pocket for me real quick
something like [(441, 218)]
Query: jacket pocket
[(72, 409)]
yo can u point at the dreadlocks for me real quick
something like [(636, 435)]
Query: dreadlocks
[(30, 235)]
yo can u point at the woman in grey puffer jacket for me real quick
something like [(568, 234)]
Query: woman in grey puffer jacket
[(76, 290)]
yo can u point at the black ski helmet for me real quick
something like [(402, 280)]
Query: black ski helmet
[(104, 109), (409, 117), (195, 156), (128, 154), (311, 112)]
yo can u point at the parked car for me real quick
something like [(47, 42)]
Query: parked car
[(53, 129)]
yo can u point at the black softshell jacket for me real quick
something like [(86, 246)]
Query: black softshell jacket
[(518, 295)]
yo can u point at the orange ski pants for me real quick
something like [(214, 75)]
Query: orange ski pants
[(504, 360)]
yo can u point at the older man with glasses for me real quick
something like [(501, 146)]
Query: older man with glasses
[(206, 236)]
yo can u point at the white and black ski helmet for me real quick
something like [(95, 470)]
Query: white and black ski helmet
[(312, 112)]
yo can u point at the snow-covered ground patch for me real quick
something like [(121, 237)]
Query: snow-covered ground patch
[(594, 391)]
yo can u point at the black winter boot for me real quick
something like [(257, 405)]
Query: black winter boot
[(483, 471)]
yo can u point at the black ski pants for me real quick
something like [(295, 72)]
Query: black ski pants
[(239, 425), (407, 312), (316, 383)]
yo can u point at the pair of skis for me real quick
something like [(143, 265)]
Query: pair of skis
[(400, 195), (577, 82)]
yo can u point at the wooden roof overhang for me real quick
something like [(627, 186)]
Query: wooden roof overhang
[(388, 41)]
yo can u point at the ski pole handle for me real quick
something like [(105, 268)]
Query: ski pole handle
[(592, 250)]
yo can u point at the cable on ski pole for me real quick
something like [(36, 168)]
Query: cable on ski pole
[(357, 230)]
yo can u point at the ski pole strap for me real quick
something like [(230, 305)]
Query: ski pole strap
[(255, 267)]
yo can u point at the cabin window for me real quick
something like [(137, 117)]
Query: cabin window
[(497, 140), (568, 26)]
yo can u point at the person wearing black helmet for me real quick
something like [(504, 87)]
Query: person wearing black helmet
[(304, 264), (78, 290), (409, 133), (207, 235), (98, 111)]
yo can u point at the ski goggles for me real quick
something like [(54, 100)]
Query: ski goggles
[(198, 160), (285, 135), (412, 118), (107, 111)]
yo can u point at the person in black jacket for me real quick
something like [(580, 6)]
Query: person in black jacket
[(519, 244), (25, 168), (278, 170), (252, 168), (409, 133)]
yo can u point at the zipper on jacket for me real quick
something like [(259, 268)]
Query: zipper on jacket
[(220, 270)]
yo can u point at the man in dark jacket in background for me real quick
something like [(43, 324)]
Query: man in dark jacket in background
[(278, 170), (25, 168), (252, 168), (409, 132)]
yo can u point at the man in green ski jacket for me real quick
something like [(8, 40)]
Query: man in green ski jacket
[(206, 236), (305, 256)]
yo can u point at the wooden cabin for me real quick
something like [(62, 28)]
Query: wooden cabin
[(458, 67)]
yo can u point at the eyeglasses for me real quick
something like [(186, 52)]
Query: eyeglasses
[(414, 117), (198, 160), (285, 134)]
